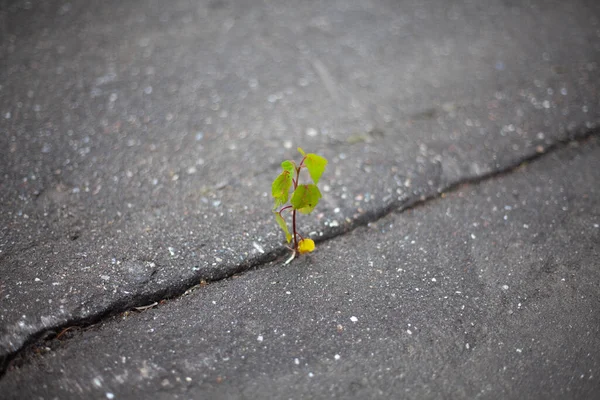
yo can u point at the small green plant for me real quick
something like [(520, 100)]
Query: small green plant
[(304, 197)]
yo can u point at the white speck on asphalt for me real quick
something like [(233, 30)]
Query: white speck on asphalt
[(409, 331), (258, 247), (311, 132), (259, 338), (353, 319), (504, 287), (337, 356)]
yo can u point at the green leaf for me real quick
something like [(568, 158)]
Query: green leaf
[(283, 225), (305, 198), (288, 166), (280, 189), (301, 151), (316, 166)]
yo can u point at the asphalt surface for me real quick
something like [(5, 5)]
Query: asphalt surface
[(466, 296), (140, 140)]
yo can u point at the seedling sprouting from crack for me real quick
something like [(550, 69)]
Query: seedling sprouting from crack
[(304, 197)]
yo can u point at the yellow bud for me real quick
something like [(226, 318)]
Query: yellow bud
[(306, 246)]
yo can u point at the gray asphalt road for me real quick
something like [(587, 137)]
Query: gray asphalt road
[(140, 138), (490, 292)]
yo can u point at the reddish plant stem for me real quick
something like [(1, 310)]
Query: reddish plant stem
[(294, 211), (283, 209), (302, 163), (294, 228)]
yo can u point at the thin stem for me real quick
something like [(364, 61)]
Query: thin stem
[(283, 209), (294, 212), (302, 163), (297, 177), (294, 228)]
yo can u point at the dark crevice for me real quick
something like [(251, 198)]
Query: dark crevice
[(402, 205), (263, 260)]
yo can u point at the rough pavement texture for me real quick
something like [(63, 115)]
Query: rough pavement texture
[(490, 292), (140, 138)]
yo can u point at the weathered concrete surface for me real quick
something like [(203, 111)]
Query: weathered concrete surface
[(140, 138), (489, 292)]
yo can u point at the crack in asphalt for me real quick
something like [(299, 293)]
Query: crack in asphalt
[(184, 287)]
